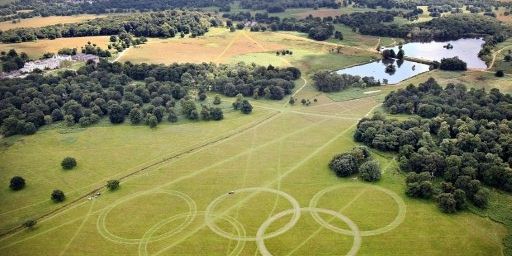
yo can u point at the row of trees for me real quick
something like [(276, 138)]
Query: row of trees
[(154, 24), (465, 141), (116, 90), (327, 81)]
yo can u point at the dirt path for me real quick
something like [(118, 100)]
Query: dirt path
[(495, 55)]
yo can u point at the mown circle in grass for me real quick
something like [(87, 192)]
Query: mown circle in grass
[(239, 229), (354, 229), (104, 232), (395, 223), (210, 219)]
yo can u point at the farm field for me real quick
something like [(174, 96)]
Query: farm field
[(275, 173), (38, 48), (46, 21)]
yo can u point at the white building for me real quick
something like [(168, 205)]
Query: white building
[(50, 63)]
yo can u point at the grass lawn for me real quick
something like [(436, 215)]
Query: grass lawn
[(268, 151)]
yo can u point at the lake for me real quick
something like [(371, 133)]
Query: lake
[(377, 69), (466, 49)]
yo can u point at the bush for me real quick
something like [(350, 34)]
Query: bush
[(217, 100), (29, 223), (68, 163), (344, 165), (113, 185), (58, 196), (17, 183), (500, 73), (453, 64), (370, 171)]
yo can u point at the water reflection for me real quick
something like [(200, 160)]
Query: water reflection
[(379, 70)]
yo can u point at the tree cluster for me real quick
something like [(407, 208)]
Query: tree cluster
[(142, 92), (154, 24), (453, 64), (464, 140), (327, 81), (11, 60), (358, 160)]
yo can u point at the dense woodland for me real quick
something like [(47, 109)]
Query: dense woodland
[(460, 141), (11, 60), (155, 24), (65, 8), (144, 93)]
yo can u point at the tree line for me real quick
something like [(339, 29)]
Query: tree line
[(140, 92), (460, 141), (155, 24)]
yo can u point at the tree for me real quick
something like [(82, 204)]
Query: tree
[(216, 100), (173, 118), (17, 183), (400, 55), (58, 196), (116, 114), (500, 73), (113, 185), (291, 101), (481, 198), (68, 163), (135, 116), (447, 203), (216, 114), (460, 199), (370, 171), (246, 107), (344, 165), (152, 121)]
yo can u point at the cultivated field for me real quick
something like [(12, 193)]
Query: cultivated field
[(46, 21), (38, 48)]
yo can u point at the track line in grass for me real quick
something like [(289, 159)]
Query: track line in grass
[(330, 220), (199, 148), (285, 174), (244, 180), (87, 215)]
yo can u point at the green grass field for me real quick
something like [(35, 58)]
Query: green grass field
[(181, 205)]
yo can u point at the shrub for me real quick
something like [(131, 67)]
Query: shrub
[(17, 183), (68, 163), (500, 73), (29, 223), (370, 171), (113, 185), (246, 107), (58, 196)]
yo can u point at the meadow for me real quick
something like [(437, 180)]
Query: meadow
[(275, 173), (38, 48), (46, 21)]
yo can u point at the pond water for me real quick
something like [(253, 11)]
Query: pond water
[(377, 69), (466, 49)]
